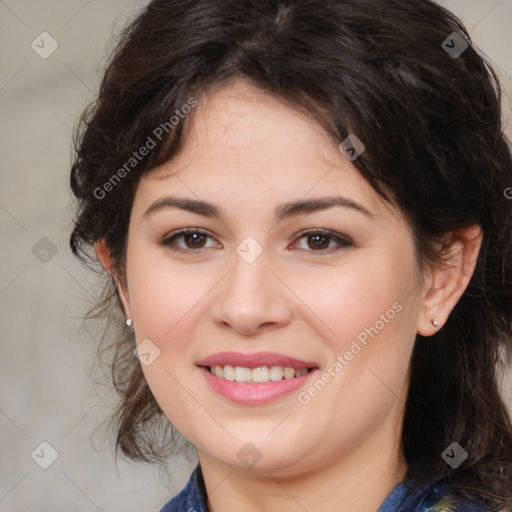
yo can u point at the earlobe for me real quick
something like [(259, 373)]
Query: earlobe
[(125, 301), (107, 262), (449, 279), (104, 257)]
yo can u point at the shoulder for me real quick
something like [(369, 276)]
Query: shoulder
[(431, 497), (192, 498), (449, 506), (439, 499)]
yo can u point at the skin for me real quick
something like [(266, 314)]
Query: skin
[(247, 152)]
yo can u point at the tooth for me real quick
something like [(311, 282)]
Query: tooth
[(242, 374), (276, 373), (289, 372), (229, 372), (260, 374)]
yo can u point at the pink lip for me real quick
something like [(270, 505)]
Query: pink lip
[(255, 360), (254, 394)]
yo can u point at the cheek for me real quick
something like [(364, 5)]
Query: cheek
[(161, 292), (366, 314), (373, 310), (165, 304), (359, 299), (164, 313), (336, 305)]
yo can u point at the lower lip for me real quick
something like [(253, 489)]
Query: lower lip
[(254, 394)]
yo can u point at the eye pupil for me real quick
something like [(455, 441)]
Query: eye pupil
[(320, 241), (316, 241), (196, 238)]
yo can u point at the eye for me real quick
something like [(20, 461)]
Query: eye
[(318, 240), (322, 239), (193, 238)]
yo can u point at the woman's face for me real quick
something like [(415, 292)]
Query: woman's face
[(261, 282)]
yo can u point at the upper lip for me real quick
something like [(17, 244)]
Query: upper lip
[(255, 360)]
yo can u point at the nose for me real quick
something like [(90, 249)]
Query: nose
[(252, 298)]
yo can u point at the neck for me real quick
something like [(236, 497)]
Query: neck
[(357, 481)]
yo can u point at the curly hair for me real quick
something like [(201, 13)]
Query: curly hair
[(435, 149)]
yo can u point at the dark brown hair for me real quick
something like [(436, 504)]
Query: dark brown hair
[(435, 148)]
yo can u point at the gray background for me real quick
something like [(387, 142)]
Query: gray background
[(46, 393)]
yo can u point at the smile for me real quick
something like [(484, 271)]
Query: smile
[(261, 374)]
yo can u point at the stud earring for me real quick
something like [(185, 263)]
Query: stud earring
[(435, 323), (129, 322)]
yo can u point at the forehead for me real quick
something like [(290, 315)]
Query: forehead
[(242, 141), (239, 123)]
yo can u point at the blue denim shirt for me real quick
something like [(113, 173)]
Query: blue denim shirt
[(192, 498)]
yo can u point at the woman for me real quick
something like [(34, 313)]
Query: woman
[(301, 208)]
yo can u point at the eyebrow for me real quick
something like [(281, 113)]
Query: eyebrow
[(283, 211)]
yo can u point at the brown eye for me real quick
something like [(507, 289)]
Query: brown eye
[(322, 240), (193, 239), (318, 241), (196, 240)]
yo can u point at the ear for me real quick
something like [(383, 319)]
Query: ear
[(107, 262), (449, 278)]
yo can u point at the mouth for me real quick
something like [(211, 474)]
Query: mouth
[(258, 375), (261, 367), (255, 379)]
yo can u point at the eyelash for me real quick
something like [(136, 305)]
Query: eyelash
[(338, 238)]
